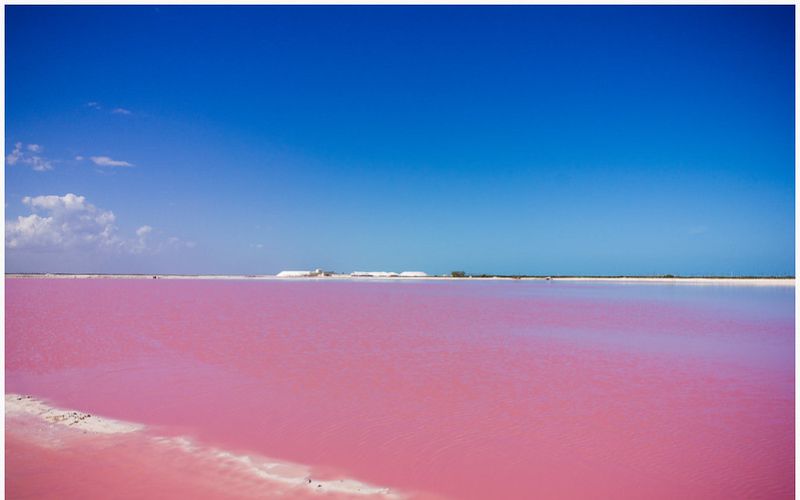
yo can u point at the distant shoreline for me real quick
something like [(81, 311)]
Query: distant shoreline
[(699, 280)]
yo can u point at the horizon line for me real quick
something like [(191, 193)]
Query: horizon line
[(446, 275)]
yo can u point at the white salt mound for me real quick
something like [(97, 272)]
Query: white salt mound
[(295, 274)]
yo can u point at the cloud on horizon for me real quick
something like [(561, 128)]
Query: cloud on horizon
[(67, 223)]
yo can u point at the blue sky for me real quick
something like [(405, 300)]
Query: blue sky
[(527, 139)]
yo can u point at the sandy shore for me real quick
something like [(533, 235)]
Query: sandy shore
[(47, 426), (26, 406), (691, 281), (636, 279)]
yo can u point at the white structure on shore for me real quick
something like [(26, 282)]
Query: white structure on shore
[(295, 274), (356, 274), (387, 274)]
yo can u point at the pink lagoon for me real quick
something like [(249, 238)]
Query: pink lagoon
[(137, 388)]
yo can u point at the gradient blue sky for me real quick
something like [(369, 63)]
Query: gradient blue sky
[(527, 139)]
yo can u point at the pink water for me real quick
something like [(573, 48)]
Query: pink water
[(452, 389)]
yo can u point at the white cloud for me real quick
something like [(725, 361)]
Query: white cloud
[(173, 242), (39, 164), (117, 111), (71, 223), (13, 157), (60, 222), (105, 161), (27, 156), (79, 158), (140, 245)]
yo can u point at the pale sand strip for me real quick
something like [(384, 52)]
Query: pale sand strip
[(279, 472), (693, 281), (274, 471), (340, 277), (21, 406)]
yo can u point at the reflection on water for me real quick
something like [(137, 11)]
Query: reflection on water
[(459, 389)]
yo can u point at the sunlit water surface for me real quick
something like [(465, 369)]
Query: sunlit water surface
[(491, 389)]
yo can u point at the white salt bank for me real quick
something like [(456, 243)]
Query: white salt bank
[(295, 274)]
